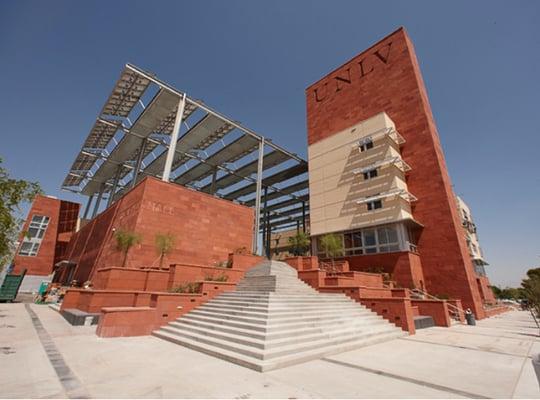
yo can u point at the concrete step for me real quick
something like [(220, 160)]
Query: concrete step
[(246, 348), (278, 362), (267, 342), (273, 315), (276, 327), (281, 307), (182, 322), (278, 301), (282, 319)]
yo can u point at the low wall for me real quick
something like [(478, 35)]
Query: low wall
[(395, 310), (305, 263), (313, 278), (490, 312), (365, 278), (116, 278), (185, 273), (437, 309), (244, 262)]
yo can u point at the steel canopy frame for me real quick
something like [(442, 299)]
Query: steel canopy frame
[(117, 149)]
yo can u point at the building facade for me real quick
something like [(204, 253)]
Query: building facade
[(378, 176), (44, 238)]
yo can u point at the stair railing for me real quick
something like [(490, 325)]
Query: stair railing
[(454, 311)]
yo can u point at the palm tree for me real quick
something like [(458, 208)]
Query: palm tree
[(299, 243), (125, 240), (332, 245), (164, 245)]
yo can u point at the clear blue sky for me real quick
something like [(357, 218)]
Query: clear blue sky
[(252, 60)]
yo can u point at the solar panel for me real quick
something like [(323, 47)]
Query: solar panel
[(270, 160), (126, 93), (280, 176), (230, 153)]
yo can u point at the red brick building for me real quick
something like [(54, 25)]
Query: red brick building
[(206, 230), (44, 238), (386, 79)]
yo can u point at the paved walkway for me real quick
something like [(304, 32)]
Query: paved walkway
[(41, 355)]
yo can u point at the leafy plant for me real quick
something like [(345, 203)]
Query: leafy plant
[(332, 245), (190, 287), (299, 243), (13, 192), (164, 245), (531, 289), (125, 240), (223, 264), (220, 278)]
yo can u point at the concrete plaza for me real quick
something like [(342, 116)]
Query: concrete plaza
[(41, 355)]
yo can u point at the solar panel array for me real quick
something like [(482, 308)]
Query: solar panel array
[(213, 153)]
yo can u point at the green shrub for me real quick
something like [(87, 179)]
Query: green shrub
[(219, 278), (190, 287)]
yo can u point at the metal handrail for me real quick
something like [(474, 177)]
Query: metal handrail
[(429, 296)]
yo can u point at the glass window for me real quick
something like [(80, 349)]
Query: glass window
[(370, 174), (369, 237), (36, 231), (357, 239), (387, 234), (366, 144), (374, 205)]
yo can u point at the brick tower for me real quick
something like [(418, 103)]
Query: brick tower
[(386, 78)]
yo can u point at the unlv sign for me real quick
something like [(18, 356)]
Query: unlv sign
[(353, 72)]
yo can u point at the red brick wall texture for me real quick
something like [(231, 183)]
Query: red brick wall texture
[(62, 223), (206, 229), (386, 77)]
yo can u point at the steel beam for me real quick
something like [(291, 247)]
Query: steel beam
[(139, 162), (304, 216), (98, 200), (174, 138), (258, 198), (115, 185), (199, 104), (87, 208)]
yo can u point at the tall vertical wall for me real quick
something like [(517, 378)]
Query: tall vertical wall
[(62, 223), (206, 229), (386, 77)]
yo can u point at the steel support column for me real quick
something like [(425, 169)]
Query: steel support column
[(87, 208), (265, 224), (268, 238), (304, 216), (214, 178), (174, 138), (139, 162), (114, 186), (258, 197), (98, 200)]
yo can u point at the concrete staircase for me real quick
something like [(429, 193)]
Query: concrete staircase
[(273, 320)]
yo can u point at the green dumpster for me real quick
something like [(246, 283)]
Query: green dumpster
[(10, 287)]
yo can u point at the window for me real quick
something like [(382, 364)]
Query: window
[(388, 239), (370, 174), (366, 144), (383, 239), (373, 205), (34, 236)]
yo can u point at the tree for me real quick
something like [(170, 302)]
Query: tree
[(299, 243), (332, 245), (531, 289), (125, 240), (13, 192), (164, 245)]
